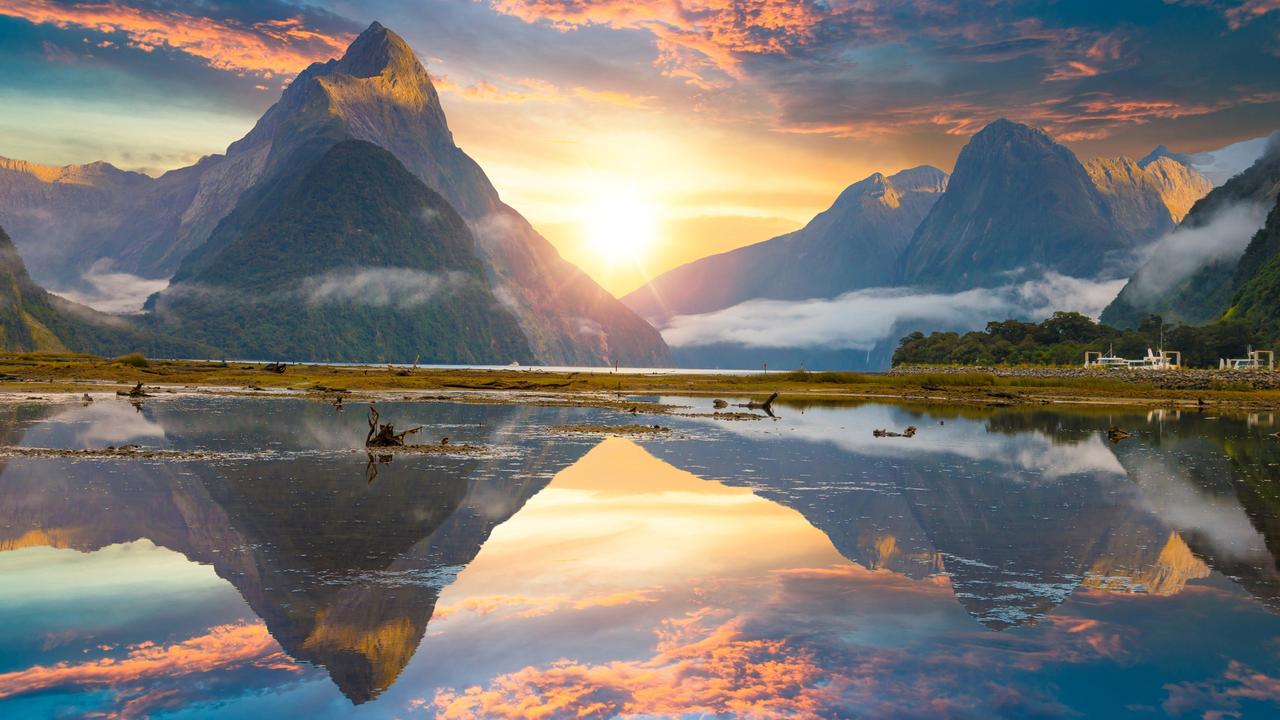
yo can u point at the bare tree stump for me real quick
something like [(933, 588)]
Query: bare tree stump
[(384, 435)]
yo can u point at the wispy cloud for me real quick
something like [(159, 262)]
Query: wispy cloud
[(401, 288), (1178, 255), (113, 292), (266, 47), (862, 319)]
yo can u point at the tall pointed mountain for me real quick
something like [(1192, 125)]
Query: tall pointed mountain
[(1190, 275), (380, 93), (853, 244), (350, 259), (1016, 200)]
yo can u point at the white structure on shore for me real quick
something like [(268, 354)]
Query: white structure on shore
[(1257, 359), (1154, 360)]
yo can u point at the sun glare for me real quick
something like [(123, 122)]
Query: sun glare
[(620, 224)]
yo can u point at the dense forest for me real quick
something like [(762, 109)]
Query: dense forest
[(1064, 338)]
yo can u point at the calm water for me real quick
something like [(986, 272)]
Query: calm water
[(1002, 563)]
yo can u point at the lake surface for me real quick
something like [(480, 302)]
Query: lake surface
[(1004, 562)]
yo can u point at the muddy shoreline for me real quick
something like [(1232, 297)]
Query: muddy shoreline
[(54, 378)]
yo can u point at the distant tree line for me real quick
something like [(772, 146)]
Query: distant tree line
[(1064, 338)]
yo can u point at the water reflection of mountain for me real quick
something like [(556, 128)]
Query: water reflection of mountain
[(1018, 508), (1214, 479), (344, 573)]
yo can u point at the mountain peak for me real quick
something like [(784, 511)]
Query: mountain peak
[(376, 51)]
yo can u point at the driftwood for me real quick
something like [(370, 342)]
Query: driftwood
[(384, 435), (275, 367), (766, 406), (136, 392), (719, 404), (1115, 434), (909, 432)]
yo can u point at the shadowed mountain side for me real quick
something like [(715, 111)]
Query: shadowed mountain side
[(853, 244), (344, 572), (1257, 280), (352, 258), (33, 320), (1194, 284), (1014, 534), (1016, 199), (377, 92), (1211, 479)]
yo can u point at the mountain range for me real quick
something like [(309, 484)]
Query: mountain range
[(1018, 205), (855, 243), (348, 225), (378, 92), (1191, 276)]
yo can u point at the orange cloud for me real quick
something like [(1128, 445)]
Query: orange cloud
[(1243, 14), (696, 670), (223, 647), (694, 37), (1220, 698), (281, 47)]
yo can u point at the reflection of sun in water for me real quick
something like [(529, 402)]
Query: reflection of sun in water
[(620, 224)]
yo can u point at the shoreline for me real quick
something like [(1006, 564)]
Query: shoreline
[(23, 376)]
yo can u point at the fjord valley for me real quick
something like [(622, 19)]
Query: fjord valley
[(750, 360)]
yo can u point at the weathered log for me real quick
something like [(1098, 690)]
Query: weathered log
[(136, 392), (766, 406), (1115, 434), (384, 435), (909, 432)]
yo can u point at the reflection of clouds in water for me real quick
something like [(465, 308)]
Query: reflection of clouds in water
[(1174, 497), (760, 658), (849, 429), (106, 422)]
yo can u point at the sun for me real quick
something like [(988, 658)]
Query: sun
[(620, 224)]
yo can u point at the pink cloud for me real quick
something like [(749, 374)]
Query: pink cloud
[(282, 46)]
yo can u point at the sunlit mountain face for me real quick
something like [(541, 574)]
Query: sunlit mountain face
[(639, 136), (1002, 562)]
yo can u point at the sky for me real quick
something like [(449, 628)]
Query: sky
[(698, 125)]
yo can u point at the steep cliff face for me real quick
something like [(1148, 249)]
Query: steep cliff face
[(1189, 277), (377, 92), (853, 244), (1147, 201), (1016, 200), (33, 320), (351, 259), (1256, 298), (380, 93)]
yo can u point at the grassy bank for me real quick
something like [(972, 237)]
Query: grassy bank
[(46, 373)]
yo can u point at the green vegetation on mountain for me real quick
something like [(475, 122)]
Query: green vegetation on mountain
[(1257, 280), (34, 320), (351, 258), (1064, 338), (1165, 287)]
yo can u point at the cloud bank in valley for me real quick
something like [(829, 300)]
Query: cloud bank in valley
[(1178, 255), (862, 319), (113, 292)]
